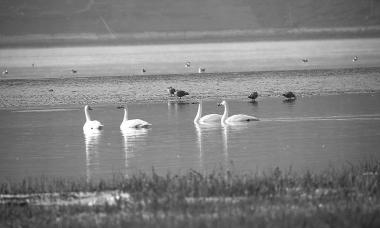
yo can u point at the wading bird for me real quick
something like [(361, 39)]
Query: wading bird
[(253, 96), (289, 95), (171, 91), (181, 93)]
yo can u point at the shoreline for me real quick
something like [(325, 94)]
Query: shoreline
[(16, 94)]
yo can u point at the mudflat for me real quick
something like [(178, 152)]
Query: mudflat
[(31, 93)]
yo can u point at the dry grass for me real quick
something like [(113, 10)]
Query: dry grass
[(348, 197)]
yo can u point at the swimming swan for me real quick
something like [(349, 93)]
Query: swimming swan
[(210, 118), (239, 118), (135, 123), (91, 125)]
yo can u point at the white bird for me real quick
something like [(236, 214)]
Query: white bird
[(134, 123), (238, 118), (210, 118), (91, 125)]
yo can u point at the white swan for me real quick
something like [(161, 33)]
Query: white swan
[(135, 123), (210, 118), (239, 118), (91, 125)]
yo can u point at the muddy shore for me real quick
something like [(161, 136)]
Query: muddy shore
[(24, 94)]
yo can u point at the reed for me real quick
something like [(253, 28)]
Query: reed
[(345, 197)]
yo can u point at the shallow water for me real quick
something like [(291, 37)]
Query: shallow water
[(313, 133), (58, 62)]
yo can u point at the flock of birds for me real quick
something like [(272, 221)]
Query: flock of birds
[(94, 125), (187, 65)]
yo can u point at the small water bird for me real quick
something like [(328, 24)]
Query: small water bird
[(201, 70), (91, 125), (171, 91), (181, 93), (5, 72), (305, 60), (238, 118), (187, 64), (356, 58), (253, 95), (210, 118), (289, 95), (74, 71), (143, 70), (134, 123)]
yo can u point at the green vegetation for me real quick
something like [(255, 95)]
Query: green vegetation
[(348, 197)]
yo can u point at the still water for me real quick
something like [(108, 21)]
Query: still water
[(57, 62), (314, 132)]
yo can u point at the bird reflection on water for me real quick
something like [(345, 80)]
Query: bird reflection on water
[(91, 139), (133, 139)]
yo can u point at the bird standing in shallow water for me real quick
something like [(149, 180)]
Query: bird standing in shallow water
[(356, 58), (253, 96), (289, 95), (181, 93), (171, 91)]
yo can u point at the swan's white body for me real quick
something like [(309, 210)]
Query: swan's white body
[(238, 118), (210, 118), (135, 123), (91, 125)]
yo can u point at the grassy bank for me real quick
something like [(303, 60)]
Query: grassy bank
[(346, 197)]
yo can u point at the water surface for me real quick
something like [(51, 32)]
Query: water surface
[(314, 132)]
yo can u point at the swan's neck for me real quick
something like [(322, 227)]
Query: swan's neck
[(225, 114), (125, 115), (88, 117), (199, 113)]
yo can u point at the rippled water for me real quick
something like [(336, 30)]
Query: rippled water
[(313, 132)]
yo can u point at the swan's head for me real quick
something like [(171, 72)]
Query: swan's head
[(222, 103), (87, 107)]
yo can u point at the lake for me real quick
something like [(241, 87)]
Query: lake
[(311, 133)]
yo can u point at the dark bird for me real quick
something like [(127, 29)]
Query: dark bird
[(289, 95), (356, 58), (171, 91), (51, 90), (305, 60), (187, 64), (5, 71), (201, 70), (181, 93), (74, 71), (143, 70), (253, 96)]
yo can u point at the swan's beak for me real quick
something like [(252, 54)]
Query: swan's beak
[(89, 108), (220, 104), (120, 107)]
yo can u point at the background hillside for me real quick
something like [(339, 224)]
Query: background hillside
[(22, 17)]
